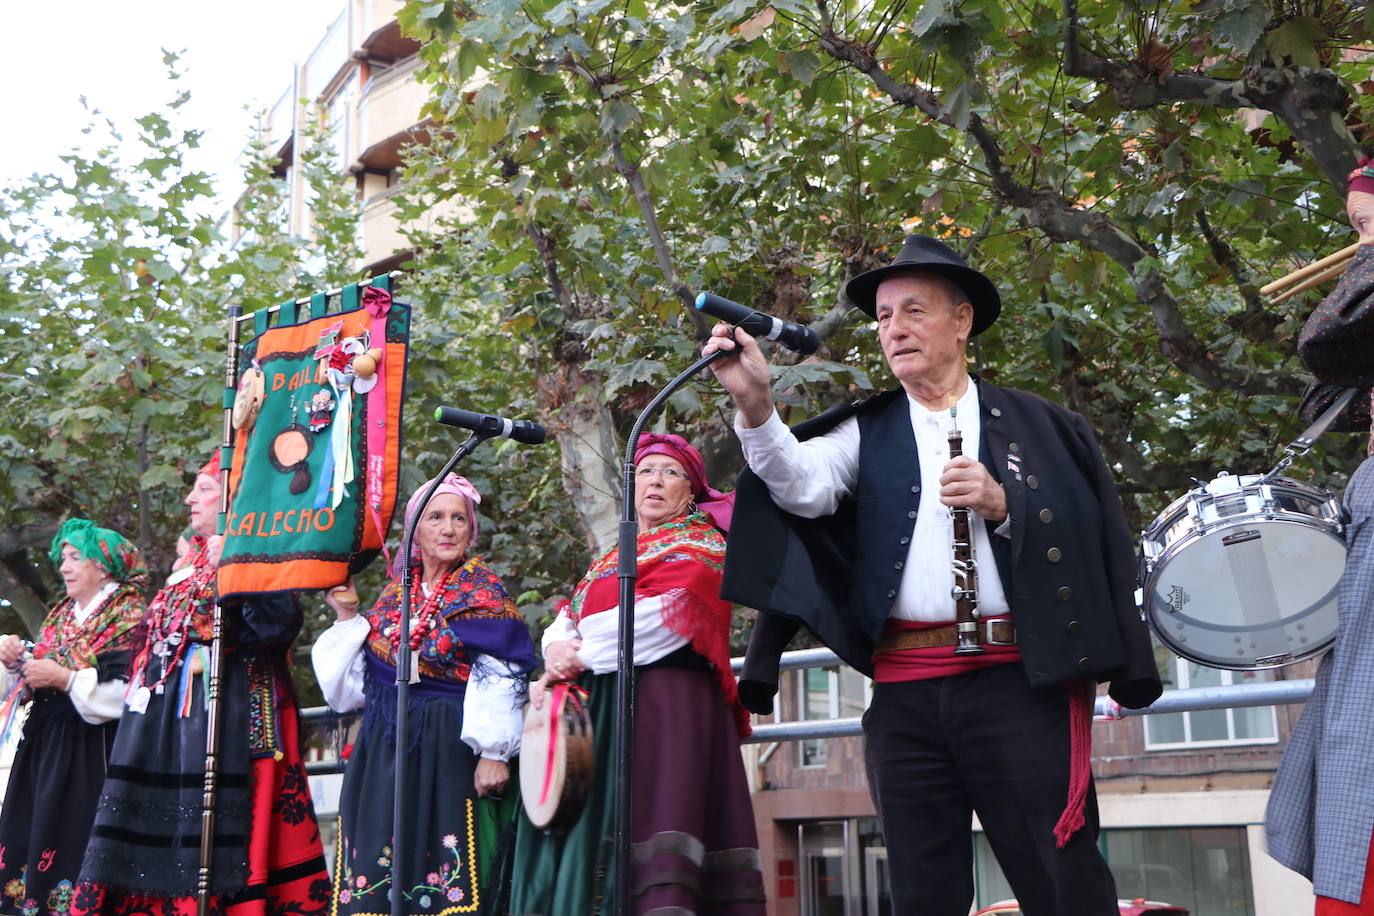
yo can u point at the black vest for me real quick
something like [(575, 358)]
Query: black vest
[(887, 497)]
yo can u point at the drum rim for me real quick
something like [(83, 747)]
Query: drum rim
[(1307, 653), (1200, 494), (1331, 529)]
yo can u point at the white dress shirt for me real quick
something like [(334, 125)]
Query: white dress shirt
[(810, 478)]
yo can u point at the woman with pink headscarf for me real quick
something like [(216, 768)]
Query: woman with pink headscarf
[(472, 655), (695, 848)]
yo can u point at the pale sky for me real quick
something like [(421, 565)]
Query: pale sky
[(234, 55)]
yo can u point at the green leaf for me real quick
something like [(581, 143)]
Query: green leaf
[(160, 475), (933, 14), (1297, 40), (585, 234), (1242, 26), (617, 115), (959, 103), (800, 65)]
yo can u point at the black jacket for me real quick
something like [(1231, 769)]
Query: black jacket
[(1069, 571)]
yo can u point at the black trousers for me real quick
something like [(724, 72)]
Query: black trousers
[(938, 750)]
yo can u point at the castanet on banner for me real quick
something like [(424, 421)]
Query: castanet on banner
[(317, 442)]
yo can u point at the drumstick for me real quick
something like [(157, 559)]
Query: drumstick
[(1317, 279), (1308, 270)]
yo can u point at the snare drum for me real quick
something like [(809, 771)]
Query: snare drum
[(1244, 575)]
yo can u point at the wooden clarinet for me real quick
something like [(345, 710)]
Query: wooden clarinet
[(965, 591)]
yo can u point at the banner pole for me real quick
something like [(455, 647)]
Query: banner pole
[(212, 677)]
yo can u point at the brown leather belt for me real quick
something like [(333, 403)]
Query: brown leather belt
[(993, 632)]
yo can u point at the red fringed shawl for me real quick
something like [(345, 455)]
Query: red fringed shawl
[(679, 562)]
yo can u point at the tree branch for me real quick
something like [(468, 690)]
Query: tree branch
[(25, 601), (1256, 323), (635, 180), (35, 536), (1310, 101), (1061, 220)]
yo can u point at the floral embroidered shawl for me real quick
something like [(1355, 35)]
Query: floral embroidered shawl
[(476, 616), (107, 629)]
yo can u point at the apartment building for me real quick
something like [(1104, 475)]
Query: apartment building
[(361, 76)]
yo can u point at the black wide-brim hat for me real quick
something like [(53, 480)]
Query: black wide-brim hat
[(923, 253)]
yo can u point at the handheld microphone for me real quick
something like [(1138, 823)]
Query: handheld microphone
[(526, 431), (792, 336)]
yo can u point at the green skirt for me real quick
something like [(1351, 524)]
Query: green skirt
[(695, 846), (569, 874)]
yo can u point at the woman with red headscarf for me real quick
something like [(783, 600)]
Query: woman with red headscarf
[(695, 844), (472, 656), (144, 852)]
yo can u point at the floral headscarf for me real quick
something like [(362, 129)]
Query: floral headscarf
[(108, 549)]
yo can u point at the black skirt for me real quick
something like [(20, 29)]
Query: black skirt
[(49, 806), (146, 837), (443, 869)]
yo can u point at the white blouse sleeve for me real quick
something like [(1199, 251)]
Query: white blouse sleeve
[(601, 636), (562, 628), (492, 709), (337, 656), (97, 702)]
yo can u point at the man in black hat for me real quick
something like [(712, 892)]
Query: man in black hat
[(843, 525)]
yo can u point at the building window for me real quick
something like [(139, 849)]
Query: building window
[(1209, 727), (829, 693), (1204, 869)]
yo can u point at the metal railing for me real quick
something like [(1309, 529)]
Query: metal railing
[(1192, 699)]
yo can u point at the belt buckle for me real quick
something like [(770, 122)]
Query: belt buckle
[(988, 639)]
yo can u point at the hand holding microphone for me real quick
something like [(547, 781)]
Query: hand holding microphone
[(792, 336), (748, 378)]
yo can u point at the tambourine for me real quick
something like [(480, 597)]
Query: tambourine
[(248, 401), (557, 759)]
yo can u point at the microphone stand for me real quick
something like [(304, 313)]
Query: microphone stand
[(627, 554), (403, 672)]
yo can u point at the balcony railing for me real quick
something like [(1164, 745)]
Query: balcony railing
[(1193, 699)]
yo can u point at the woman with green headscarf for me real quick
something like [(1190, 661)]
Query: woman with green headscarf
[(74, 681)]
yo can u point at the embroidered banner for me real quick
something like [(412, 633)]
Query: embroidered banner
[(317, 443)]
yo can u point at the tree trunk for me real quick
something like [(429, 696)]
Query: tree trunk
[(590, 452), (23, 599)]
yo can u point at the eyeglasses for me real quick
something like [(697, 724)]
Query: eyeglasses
[(669, 474)]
